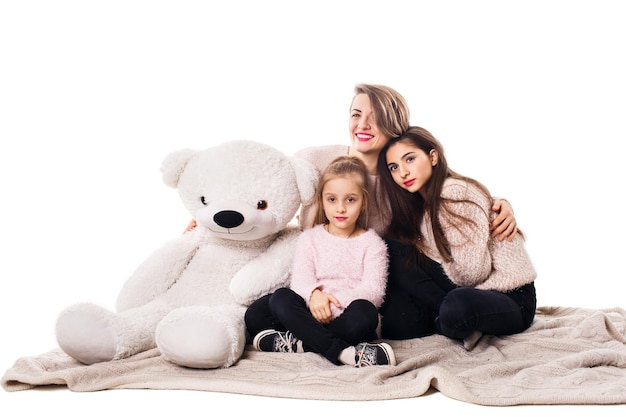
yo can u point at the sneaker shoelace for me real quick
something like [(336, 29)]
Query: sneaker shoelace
[(366, 355), (285, 342)]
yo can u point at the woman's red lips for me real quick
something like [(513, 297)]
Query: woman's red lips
[(363, 137), (408, 183)]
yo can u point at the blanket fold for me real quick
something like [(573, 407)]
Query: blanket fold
[(568, 356)]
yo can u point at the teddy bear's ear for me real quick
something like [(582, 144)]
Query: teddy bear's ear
[(174, 164), (307, 177)]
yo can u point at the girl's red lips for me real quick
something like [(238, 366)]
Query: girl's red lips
[(408, 183)]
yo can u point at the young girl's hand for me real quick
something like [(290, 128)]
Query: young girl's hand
[(319, 306)]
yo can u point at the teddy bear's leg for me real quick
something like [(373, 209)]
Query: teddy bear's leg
[(85, 332), (90, 333), (202, 337)]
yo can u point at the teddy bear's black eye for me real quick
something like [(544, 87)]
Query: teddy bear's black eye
[(261, 205), (203, 200)]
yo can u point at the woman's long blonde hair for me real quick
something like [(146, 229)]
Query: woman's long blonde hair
[(390, 108)]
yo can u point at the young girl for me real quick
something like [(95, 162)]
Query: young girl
[(446, 274), (338, 280)]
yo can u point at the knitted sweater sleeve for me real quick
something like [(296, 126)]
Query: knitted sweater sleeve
[(478, 259), (303, 278), (511, 265), (468, 242)]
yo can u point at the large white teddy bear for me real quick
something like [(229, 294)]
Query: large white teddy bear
[(189, 297)]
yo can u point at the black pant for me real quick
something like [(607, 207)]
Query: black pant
[(421, 300), (285, 310)]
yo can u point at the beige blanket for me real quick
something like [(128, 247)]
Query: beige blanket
[(568, 356)]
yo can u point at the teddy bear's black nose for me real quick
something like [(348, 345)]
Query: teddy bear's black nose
[(228, 218)]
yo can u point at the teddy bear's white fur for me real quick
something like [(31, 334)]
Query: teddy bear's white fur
[(189, 297)]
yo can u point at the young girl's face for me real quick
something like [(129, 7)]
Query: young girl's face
[(410, 166), (342, 200)]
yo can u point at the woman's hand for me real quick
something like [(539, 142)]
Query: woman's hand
[(192, 225), (504, 225)]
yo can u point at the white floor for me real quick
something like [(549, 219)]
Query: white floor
[(60, 402)]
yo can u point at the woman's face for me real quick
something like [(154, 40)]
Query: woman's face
[(410, 166), (364, 133)]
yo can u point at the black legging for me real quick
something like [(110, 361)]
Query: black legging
[(286, 310), (414, 295), (421, 300)]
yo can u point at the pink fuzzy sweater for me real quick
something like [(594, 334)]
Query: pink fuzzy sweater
[(348, 268), (479, 260)]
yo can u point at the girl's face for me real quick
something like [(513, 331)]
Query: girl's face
[(365, 136), (410, 166), (342, 199)]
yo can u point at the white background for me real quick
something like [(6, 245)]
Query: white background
[(527, 96)]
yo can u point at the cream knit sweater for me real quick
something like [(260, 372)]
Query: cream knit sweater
[(479, 260)]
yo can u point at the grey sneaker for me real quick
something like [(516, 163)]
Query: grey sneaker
[(369, 354), (275, 341)]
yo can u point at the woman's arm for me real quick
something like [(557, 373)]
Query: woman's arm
[(192, 225), (504, 225)]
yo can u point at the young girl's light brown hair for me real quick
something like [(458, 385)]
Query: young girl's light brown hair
[(349, 167)]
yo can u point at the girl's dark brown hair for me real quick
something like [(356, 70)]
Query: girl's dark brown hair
[(407, 209)]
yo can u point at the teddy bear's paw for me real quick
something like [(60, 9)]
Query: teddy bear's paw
[(200, 337), (85, 333)]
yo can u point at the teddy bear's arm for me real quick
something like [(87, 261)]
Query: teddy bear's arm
[(267, 272), (158, 272)]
